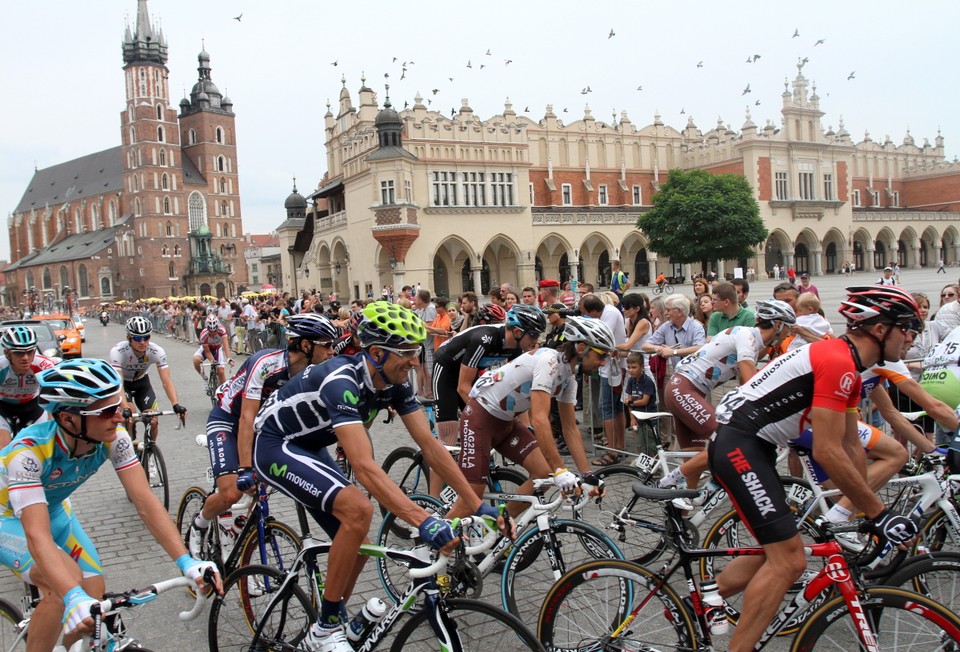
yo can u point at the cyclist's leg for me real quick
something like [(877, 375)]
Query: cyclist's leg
[(224, 461), (478, 431), (145, 398), (694, 423), (197, 359), (517, 444)]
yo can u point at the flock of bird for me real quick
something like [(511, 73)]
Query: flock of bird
[(751, 59)]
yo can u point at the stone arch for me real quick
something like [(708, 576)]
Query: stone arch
[(862, 243), (339, 278), (907, 254), (595, 257), (928, 247), (949, 245), (501, 256), (832, 250), (884, 249), (553, 253), (806, 251), (453, 265), (777, 243), (634, 258)]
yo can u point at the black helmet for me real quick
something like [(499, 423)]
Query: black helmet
[(529, 319)]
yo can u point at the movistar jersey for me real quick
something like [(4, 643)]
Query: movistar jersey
[(36, 467), (335, 393)]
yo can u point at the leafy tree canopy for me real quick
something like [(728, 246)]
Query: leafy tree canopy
[(698, 216)]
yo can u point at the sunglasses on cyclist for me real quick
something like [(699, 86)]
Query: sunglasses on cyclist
[(603, 355), (404, 353), (107, 412), (140, 338), (327, 344)]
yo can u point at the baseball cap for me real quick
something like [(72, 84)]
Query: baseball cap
[(805, 275), (553, 309), (888, 268)]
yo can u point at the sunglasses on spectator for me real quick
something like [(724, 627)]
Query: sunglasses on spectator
[(948, 295), (107, 412), (404, 353), (140, 338)]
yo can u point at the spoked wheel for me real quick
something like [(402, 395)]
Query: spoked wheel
[(11, 638), (156, 471)]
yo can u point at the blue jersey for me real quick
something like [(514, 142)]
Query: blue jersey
[(259, 376), (336, 392), (37, 467)]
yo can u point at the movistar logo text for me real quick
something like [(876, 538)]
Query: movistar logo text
[(278, 471), (350, 397)]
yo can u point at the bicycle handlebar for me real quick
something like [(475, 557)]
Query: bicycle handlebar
[(440, 564), (150, 414)]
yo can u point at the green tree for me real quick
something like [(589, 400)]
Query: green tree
[(698, 216)]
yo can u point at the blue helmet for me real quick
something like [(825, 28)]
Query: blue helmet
[(311, 326), (77, 383), (529, 319)]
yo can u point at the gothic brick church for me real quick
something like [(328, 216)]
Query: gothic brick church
[(157, 215)]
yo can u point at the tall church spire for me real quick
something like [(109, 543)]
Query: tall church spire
[(147, 44)]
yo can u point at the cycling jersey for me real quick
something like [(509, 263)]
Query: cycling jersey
[(36, 467), (716, 361), (134, 366), (775, 404), (941, 370), (481, 347), (213, 339), (259, 376), (335, 393), (15, 388), (895, 372), (505, 392)]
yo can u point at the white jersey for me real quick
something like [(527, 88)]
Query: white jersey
[(132, 366), (505, 392), (941, 370), (716, 361)]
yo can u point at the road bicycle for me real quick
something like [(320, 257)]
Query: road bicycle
[(113, 636), (278, 618), (212, 380), (620, 605), (663, 288), (544, 548), (149, 453)]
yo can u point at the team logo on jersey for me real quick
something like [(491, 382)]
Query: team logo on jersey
[(30, 465), (278, 471), (350, 397), (514, 442), (486, 339), (56, 473), (846, 382)]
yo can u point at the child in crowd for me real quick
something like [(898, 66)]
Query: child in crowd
[(811, 325), (640, 394)]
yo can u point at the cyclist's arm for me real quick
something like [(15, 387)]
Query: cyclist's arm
[(356, 446), (248, 412), (900, 425), (151, 511), (166, 379), (837, 447), (468, 376), (47, 555), (225, 343), (937, 409), (746, 368), (571, 434), (438, 458)]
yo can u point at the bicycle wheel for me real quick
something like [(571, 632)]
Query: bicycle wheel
[(529, 565), (190, 504), (250, 607), (480, 627), (156, 470), (588, 604), (396, 534), (281, 543), (406, 468), (11, 637), (213, 383), (668, 289), (503, 480), (900, 620), (636, 525), (936, 532), (935, 575)]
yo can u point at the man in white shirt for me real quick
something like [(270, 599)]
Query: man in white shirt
[(887, 278), (612, 410), (249, 316)]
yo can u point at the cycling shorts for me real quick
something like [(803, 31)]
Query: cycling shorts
[(480, 432), (140, 393), (310, 477), (222, 443), (449, 401), (217, 352), (67, 533), (869, 436), (694, 416), (20, 415), (745, 466)]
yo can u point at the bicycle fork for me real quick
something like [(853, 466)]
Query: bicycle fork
[(443, 626)]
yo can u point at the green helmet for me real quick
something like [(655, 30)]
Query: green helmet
[(388, 324)]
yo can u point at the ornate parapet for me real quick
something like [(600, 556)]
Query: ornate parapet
[(585, 218), (904, 216)]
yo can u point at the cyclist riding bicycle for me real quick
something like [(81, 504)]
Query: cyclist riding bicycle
[(661, 280), (310, 339), (489, 420), (19, 406), (43, 542), (816, 385), (132, 360), (461, 359), (215, 347), (341, 395)]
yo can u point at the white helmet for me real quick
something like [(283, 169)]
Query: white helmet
[(592, 332), (212, 323)]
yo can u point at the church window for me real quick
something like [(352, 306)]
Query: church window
[(223, 208), (29, 279), (105, 286), (143, 82), (113, 212), (136, 206), (166, 205), (77, 221), (64, 277), (95, 217), (160, 134), (197, 209), (82, 287), (163, 158), (192, 137), (169, 228), (164, 183), (171, 271), (133, 136), (223, 186), (47, 282), (220, 135), (176, 251), (221, 164), (159, 112)]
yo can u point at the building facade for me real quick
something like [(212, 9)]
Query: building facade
[(157, 215), (461, 203), (262, 255)]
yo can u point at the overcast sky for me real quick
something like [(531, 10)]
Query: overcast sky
[(61, 70)]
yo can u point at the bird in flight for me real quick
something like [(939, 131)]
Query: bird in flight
[(335, 62), (682, 111), (755, 57), (796, 33), (526, 109), (746, 90), (452, 112), (482, 66), (469, 65), (403, 74), (757, 103), (564, 110), (394, 59), (850, 76), (508, 62), (406, 104), (699, 64), (436, 90), (639, 88), (612, 34), (820, 42), (237, 18), (488, 52), (450, 78)]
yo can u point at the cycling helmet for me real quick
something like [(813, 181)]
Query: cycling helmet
[(18, 338), (592, 332), (390, 325), (77, 384), (212, 323), (139, 326), (871, 304), (355, 320), (774, 310), (311, 326), (491, 313), (529, 319)]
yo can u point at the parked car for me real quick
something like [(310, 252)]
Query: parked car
[(71, 345), (48, 342)]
